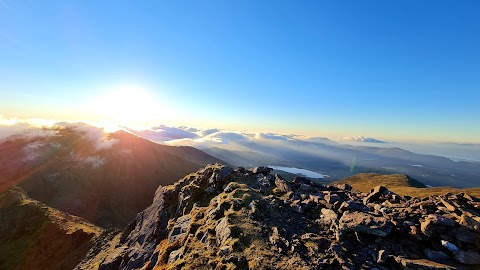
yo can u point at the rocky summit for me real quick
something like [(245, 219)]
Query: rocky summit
[(225, 218)]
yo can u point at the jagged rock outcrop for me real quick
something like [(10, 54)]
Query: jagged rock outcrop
[(220, 218)]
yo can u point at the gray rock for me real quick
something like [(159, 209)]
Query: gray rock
[(450, 246), (436, 256), (365, 223), (316, 197), (465, 236), (448, 205), (346, 187), (282, 185), (332, 198), (353, 206), (307, 188), (467, 257), (174, 255), (427, 227), (263, 180), (298, 207), (375, 194), (179, 229), (262, 170), (422, 264), (222, 231), (223, 173), (301, 180), (328, 216), (470, 222)]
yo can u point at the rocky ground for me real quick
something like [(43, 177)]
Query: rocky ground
[(35, 236), (221, 218)]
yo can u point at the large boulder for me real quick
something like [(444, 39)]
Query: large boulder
[(365, 223)]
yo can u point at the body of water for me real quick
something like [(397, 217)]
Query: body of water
[(304, 172)]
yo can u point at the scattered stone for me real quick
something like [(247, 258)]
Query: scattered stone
[(382, 257), (307, 188), (353, 206), (409, 264), (346, 187), (301, 180), (282, 185), (224, 173), (470, 222), (262, 170), (448, 205), (465, 236), (332, 198), (375, 194), (436, 256), (450, 246)]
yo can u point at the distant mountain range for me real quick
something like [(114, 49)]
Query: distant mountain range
[(179, 210), (339, 161)]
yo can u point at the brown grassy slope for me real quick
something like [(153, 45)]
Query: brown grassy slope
[(34, 236), (400, 184)]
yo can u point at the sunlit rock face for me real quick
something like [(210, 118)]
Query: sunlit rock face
[(225, 218)]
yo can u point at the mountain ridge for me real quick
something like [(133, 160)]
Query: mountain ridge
[(107, 185), (221, 218)]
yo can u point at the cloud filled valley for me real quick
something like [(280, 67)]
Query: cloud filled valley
[(337, 159)]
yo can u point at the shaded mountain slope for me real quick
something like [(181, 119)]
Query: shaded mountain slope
[(399, 183), (220, 218), (34, 236), (188, 153), (106, 180)]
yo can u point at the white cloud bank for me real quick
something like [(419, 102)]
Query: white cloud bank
[(35, 127), (362, 139)]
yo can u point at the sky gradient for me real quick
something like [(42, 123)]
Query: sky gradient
[(401, 70)]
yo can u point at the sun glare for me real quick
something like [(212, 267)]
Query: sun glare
[(127, 106)]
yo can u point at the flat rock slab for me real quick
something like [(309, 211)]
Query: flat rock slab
[(421, 264), (365, 223)]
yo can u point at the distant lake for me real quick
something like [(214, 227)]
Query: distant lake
[(294, 170)]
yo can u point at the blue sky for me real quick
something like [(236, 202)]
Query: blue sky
[(403, 69)]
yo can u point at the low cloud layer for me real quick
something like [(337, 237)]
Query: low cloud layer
[(96, 135), (31, 127), (34, 128), (362, 139)]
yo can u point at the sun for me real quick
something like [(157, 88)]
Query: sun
[(127, 106)]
